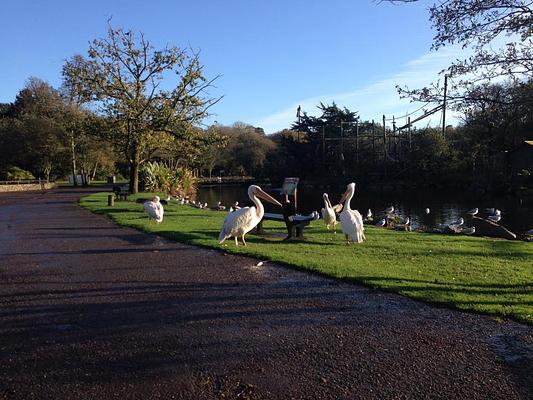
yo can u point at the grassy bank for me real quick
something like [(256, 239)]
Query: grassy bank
[(469, 273)]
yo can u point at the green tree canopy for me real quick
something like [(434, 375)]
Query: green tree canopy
[(143, 92)]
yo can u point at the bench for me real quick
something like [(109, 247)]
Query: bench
[(295, 224), (121, 192)]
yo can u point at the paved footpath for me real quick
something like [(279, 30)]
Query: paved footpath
[(89, 310)]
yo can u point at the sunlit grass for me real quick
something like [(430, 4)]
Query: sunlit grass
[(470, 273)]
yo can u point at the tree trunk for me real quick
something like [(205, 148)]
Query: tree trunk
[(73, 155), (134, 172), (93, 176)]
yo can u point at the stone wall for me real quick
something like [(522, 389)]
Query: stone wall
[(26, 187)]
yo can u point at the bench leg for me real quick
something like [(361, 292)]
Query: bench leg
[(259, 228)]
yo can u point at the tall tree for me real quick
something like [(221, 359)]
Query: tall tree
[(122, 78), (476, 25), (33, 137)]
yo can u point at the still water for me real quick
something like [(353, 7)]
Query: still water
[(444, 207)]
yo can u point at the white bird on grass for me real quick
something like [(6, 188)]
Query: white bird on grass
[(369, 214), (240, 222), (220, 207), (154, 209), (328, 213), (406, 222), (389, 210), (381, 222), (351, 220)]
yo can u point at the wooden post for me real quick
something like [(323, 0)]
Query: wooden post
[(409, 131), (323, 145), (357, 142), (444, 105), (373, 144), (395, 137), (342, 143), (384, 146), (110, 200)]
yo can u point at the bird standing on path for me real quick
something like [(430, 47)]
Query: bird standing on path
[(238, 223), (351, 220), (155, 210)]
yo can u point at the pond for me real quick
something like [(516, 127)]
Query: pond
[(444, 207)]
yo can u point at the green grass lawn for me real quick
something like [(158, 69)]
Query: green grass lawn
[(470, 273)]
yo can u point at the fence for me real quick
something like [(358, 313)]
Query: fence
[(20, 185)]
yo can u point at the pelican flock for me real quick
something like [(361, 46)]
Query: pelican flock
[(351, 220), (239, 222), (155, 210), (328, 213)]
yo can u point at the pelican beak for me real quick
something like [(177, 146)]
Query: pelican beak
[(265, 196), (344, 196)]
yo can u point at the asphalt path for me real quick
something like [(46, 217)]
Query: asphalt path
[(90, 310)]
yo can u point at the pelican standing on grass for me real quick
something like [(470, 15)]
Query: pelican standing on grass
[(328, 214), (240, 222), (351, 220), (154, 209)]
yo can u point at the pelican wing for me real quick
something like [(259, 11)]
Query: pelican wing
[(238, 223), (328, 215), (154, 210), (352, 225)]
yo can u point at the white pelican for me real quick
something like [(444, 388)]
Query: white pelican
[(473, 212), (154, 209), (351, 220), (238, 223), (328, 214)]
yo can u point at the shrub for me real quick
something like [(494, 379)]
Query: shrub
[(14, 173), (160, 177)]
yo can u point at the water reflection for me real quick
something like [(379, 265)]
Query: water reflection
[(444, 207)]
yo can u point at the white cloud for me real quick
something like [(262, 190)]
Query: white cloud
[(377, 98)]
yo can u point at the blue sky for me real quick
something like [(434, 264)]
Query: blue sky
[(272, 56)]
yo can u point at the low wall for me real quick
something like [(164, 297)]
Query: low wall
[(27, 187)]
